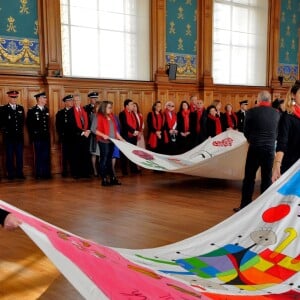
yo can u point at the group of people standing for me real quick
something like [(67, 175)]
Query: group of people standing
[(175, 132)]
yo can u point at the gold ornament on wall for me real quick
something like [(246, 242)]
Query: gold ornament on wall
[(25, 55), (180, 44), (188, 31), (172, 28), (36, 27), (180, 15), (11, 26), (24, 8)]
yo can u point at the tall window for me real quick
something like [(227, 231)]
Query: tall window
[(106, 39), (240, 42)]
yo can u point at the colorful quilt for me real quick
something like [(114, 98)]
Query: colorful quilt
[(222, 156), (255, 254)]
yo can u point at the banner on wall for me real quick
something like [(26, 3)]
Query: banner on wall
[(255, 254), (222, 156)]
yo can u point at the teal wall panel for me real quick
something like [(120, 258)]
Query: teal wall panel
[(19, 42), (289, 39), (181, 36)]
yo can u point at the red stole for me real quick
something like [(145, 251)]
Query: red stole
[(103, 124), (140, 121), (230, 122), (171, 118), (157, 123), (217, 122), (264, 103), (297, 111), (186, 120), (81, 118), (131, 121), (199, 115)]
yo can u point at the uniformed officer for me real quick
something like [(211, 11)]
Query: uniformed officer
[(241, 115), (38, 120), (12, 118), (89, 108), (64, 123)]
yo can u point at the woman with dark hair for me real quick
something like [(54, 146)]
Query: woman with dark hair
[(213, 123), (105, 127), (288, 139), (184, 127), (155, 122)]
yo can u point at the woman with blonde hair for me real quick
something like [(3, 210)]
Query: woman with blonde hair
[(288, 140)]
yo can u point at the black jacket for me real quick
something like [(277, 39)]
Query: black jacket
[(261, 124)]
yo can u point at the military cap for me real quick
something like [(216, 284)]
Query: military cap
[(93, 95), (244, 102), (13, 94), (67, 98), (43, 94)]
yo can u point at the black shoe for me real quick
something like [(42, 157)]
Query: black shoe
[(115, 181), (21, 177), (10, 177), (105, 182), (236, 209)]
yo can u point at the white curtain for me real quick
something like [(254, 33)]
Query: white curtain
[(240, 42), (106, 39)]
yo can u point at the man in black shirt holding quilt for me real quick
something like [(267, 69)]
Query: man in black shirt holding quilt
[(260, 130)]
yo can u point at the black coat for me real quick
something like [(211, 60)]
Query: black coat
[(12, 122), (288, 140), (38, 123)]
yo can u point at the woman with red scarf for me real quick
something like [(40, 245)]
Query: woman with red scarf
[(229, 118), (213, 123), (288, 139), (105, 127), (155, 122), (171, 128), (184, 127)]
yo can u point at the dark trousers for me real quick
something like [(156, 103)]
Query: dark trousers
[(81, 158), (106, 150), (257, 157), (14, 150), (66, 157), (125, 161), (42, 158)]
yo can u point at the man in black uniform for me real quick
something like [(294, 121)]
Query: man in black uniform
[(241, 115), (38, 120), (12, 119), (64, 123), (260, 130), (89, 108)]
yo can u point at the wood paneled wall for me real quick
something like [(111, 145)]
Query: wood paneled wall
[(145, 93)]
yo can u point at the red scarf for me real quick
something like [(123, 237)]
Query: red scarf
[(157, 123), (297, 111), (230, 122), (199, 115), (171, 118), (80, 118), (264, 103), (186, 120), (103, 124), (217, 122), (140, 121), (131, 121)]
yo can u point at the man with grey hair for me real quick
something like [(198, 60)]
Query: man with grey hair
[(260, 130)]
